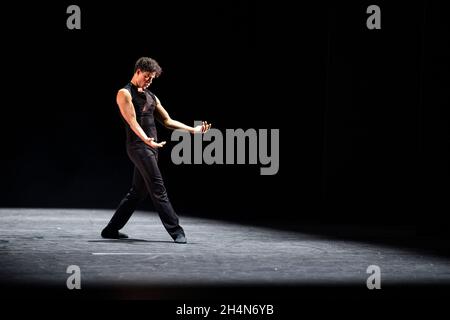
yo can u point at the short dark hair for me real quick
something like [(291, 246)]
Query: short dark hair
[(147, 64)]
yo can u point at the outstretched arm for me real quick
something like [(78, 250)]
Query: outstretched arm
[(174, 124), (127, 110)]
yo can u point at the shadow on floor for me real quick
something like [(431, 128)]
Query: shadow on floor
[(434, 240), (129, 240)]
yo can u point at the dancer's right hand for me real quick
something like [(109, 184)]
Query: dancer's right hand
[(153, 144)]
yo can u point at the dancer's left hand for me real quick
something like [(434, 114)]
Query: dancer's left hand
[(204, 127)]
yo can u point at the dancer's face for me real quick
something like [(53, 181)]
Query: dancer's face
[(145, 78)]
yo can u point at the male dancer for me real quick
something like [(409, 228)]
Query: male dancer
[(139, 107)]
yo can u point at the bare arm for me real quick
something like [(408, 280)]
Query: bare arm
[(127, 110), (174, 124)]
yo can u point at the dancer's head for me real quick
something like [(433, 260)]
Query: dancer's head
[(145, 70)]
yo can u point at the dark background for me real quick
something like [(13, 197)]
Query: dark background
[(362, 113)]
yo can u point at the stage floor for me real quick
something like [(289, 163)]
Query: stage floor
[(38, 245)]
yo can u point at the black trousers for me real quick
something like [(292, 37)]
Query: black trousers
[(147, 180)]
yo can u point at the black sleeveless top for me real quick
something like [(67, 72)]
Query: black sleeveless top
[(144, 105)]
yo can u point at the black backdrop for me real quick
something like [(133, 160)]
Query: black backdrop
[(362, 113)]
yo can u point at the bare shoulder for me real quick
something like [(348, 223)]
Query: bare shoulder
[(156, 99), (123, 94), (123, 91)]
